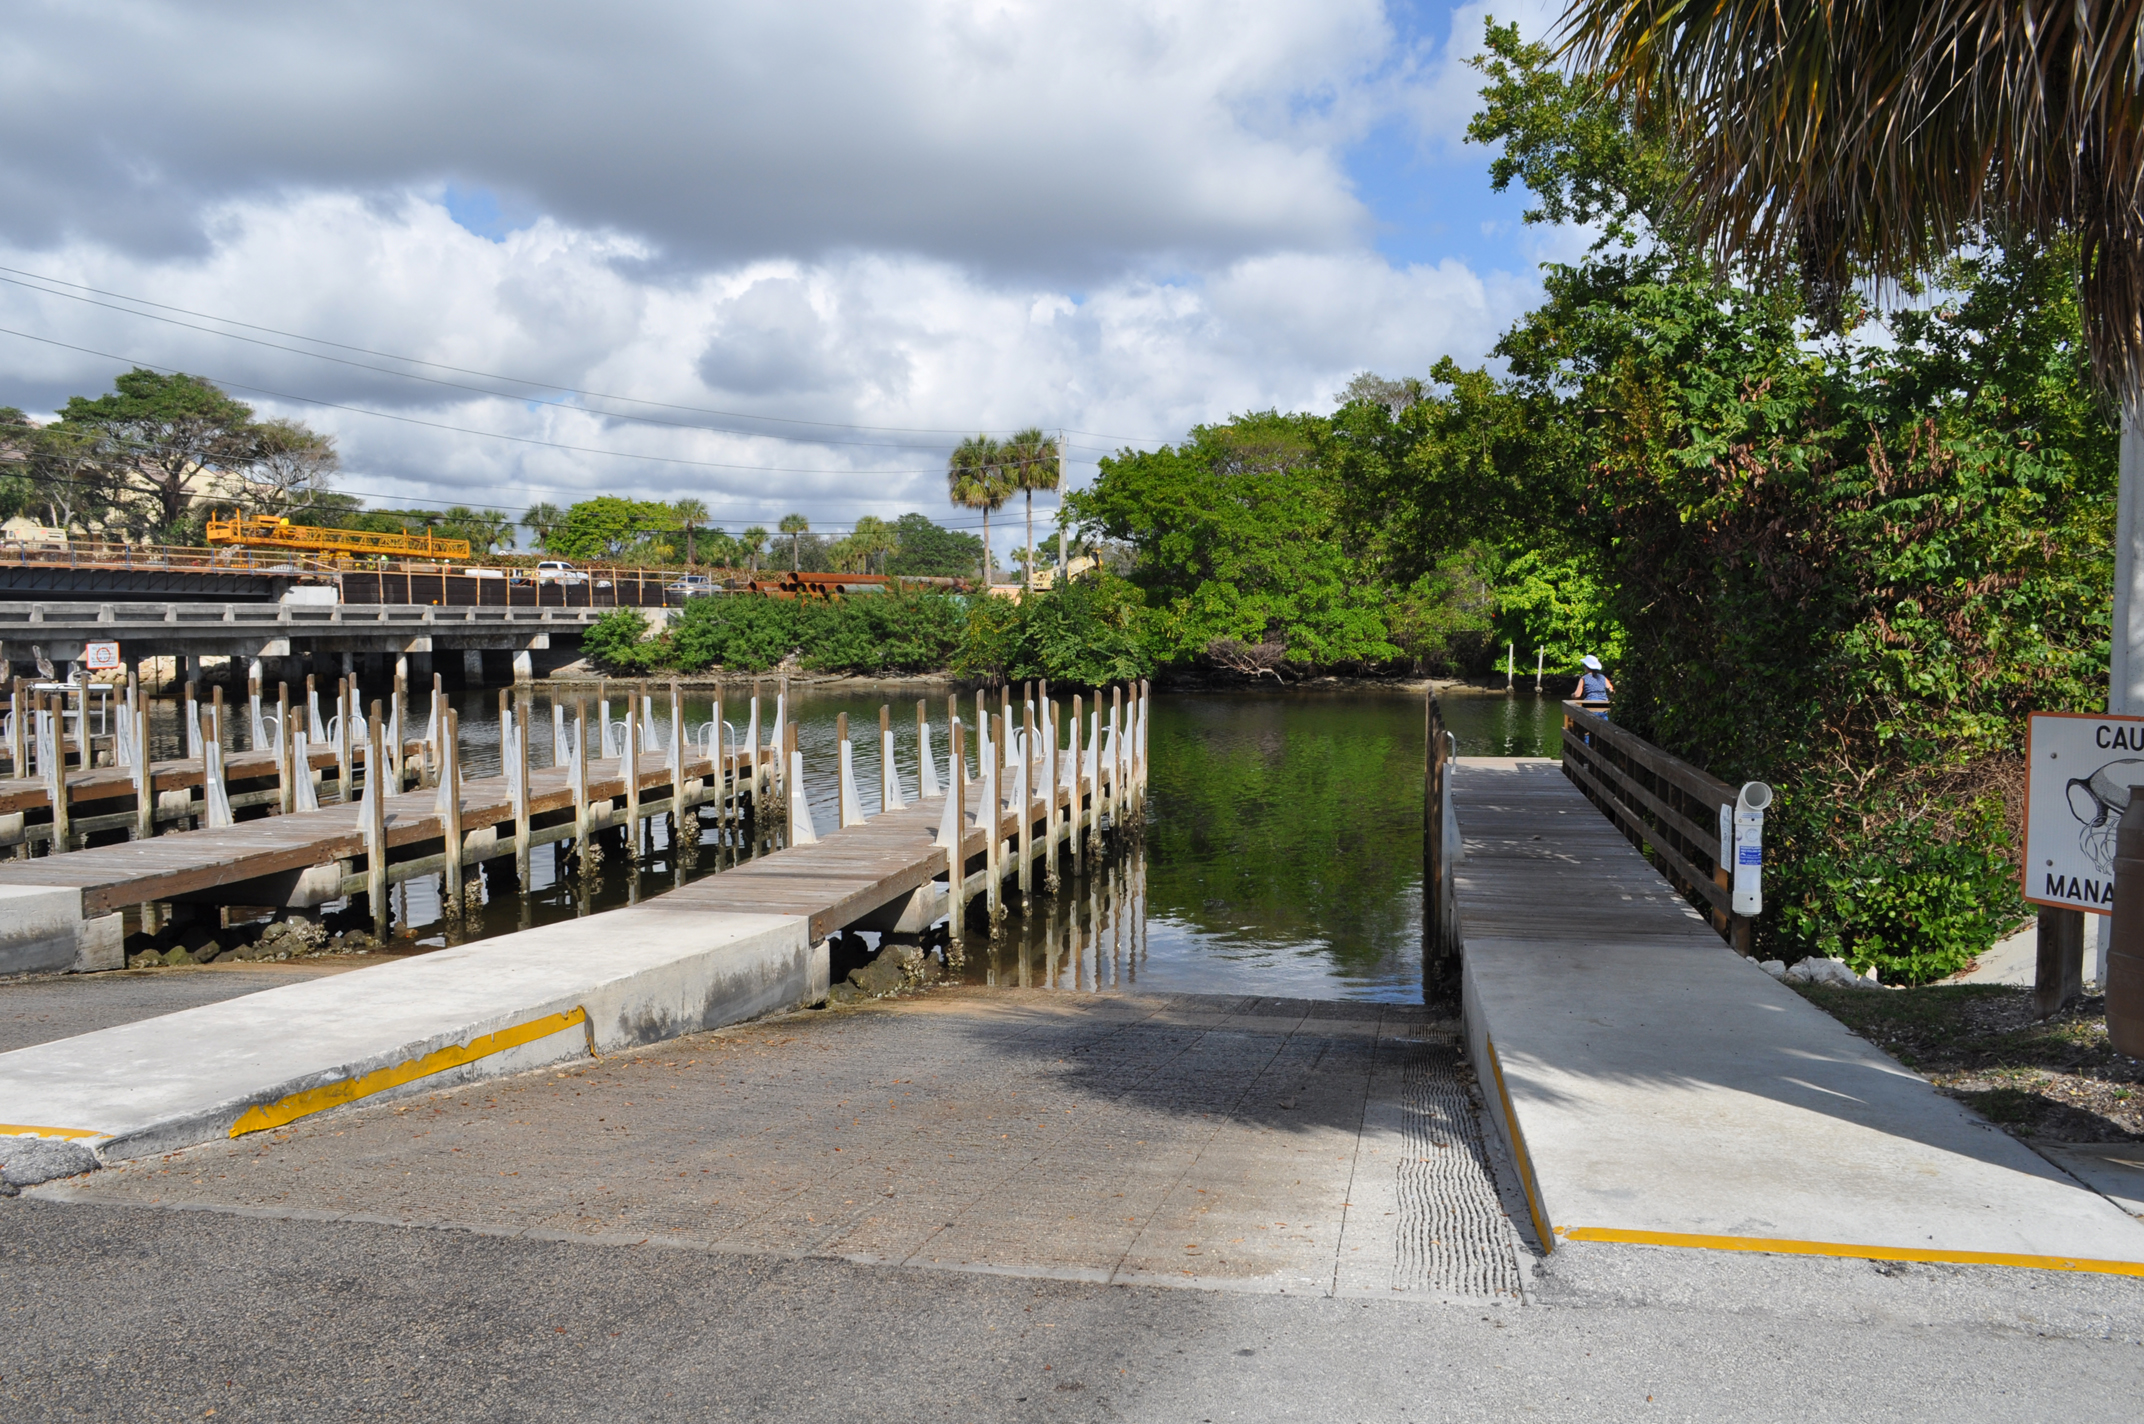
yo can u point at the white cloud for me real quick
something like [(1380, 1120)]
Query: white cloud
[(1121, 218), (871, 340)]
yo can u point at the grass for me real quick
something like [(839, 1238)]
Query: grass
[(1983, 1045)]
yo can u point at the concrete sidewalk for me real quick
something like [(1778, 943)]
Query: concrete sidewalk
[(1657, 1088), (225, 1069)]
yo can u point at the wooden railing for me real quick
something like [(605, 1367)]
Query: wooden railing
[(1669, 809)]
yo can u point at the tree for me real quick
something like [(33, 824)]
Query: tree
[(291, 466), (1032, 463), (540, 520), (1838, 141), (606, 527), (930, 550), (1240, 543), (796, 526), (691, 514), (752, 544), (975, 478), (168, 432), (872, 539)]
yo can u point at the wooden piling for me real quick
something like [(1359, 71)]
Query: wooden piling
[(345, 765), (629, 764), (56, 781), (1079, 765), (144, 774), (1116, 756), (577, 780), (399, 730), (286, 793), (956, 865), (376, 825), (18, 706), (450, 782), (519, 771), (1052, 820), (993, 818), (1024, 794)]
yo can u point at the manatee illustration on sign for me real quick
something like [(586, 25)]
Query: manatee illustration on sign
[(2097, 801)]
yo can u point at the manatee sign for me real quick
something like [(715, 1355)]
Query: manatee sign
[(2079, 771)]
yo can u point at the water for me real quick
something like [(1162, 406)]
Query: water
[(1282, 853)]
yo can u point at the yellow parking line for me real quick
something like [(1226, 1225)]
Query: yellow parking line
[(1784, 1247), (349, 1090)]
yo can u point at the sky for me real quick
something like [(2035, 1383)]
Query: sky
[(775, 256)]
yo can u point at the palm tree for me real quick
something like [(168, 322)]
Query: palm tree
[(976, 478), (1873, 138), (541, 519), (796, 526), (751, 544), (1031, 459), (690, 514)]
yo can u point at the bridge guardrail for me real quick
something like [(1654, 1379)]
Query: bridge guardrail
[(1666, 807)]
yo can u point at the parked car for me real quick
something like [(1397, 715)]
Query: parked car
[(559, 571), (691, 584)]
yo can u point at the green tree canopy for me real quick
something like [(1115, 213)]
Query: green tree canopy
[(931, 550)]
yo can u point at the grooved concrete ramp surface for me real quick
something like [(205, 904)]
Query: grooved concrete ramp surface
[(1264, 1145), (498, 1006), (1665, 1089)]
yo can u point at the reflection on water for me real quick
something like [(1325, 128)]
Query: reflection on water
[(1281, 855), (1503, 724)]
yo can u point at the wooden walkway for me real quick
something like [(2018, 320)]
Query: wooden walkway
[(196, 864)]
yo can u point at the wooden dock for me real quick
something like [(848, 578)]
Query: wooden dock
[(875, 872)]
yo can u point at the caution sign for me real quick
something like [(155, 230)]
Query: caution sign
[(2080, 771), (100, 657)]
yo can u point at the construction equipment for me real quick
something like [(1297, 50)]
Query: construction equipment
[(251, 532)]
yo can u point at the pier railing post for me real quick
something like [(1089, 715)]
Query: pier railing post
[(286, 798)]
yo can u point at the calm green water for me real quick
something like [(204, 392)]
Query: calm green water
[(1282, 853)]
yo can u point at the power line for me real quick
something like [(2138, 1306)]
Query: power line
[(486, 375)]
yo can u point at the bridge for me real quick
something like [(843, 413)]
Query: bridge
[(289, 640)]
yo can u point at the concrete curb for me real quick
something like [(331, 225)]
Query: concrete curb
[(437, 1020)]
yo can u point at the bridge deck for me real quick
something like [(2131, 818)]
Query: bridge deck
[(1658, 1088)]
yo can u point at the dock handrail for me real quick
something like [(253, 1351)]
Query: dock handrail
[(1668, 808)]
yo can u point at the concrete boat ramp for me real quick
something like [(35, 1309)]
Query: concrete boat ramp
[(1656, 1088), (734, 946)]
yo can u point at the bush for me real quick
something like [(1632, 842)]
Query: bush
[(1087, 633), (1912, 901), (618, 642)]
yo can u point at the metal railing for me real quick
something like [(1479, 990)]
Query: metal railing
[(1669, 809)]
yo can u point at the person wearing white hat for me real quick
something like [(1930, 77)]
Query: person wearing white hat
[(1594, 686)]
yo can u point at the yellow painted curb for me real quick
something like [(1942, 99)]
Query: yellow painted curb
[(16, 1129), (1518, 1151), (349, 1090), (1784, 1247)]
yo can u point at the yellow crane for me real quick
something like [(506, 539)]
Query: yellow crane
[(253, 532)]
